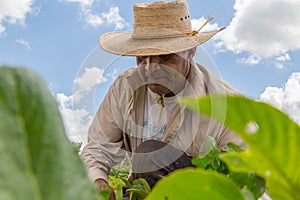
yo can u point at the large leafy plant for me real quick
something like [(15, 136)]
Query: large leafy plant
[(37, 160), (247, 181), (273, 152)]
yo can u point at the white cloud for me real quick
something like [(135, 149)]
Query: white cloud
[(251, 60), (88, 80), (197, 23), (25, 43), (14, 12), (272, 95), (112, 17), (82, 3), (281, 60), (113, 75), (74, 108), (264, 29), (2, 30), (76, 121), (92, 19), (286, 98)]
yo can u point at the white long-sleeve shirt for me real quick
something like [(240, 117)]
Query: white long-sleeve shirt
[(118, 124)]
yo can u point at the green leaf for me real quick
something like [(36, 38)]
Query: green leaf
[(251, 181), (104, 194), (231, 147), (143, 183), (202, 162), (273, 140), (138, 189), (119, 192), (195, 184), (248, 182), (37, 160), (211, 145)]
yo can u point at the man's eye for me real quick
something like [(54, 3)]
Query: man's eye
[(141, 58), (166, 57)]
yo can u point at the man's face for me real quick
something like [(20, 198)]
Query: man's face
[(166, 74)]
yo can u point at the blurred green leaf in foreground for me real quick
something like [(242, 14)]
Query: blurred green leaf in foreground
[(37, 160), (272, 137)]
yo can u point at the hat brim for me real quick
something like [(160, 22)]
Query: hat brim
[(121, 43)]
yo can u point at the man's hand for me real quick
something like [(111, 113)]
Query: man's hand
[(102, 184)]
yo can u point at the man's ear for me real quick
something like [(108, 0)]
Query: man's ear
[(192, 52)]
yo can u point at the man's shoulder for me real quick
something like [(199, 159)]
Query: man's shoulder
[(213, 82), (123, 83), (126, 73)]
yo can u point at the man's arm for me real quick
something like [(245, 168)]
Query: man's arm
[(102, 184), (105, 140)]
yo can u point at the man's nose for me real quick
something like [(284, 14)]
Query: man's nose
[(153, 63)]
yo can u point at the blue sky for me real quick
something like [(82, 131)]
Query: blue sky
[(258, 52)]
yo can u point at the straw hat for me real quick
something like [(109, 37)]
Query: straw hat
[(159, 28)]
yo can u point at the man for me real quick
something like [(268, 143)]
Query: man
[(142, 103)]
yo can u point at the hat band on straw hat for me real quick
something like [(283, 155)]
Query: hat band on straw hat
[(155, 33)]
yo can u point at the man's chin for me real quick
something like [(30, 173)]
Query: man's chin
[(158, 89)]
